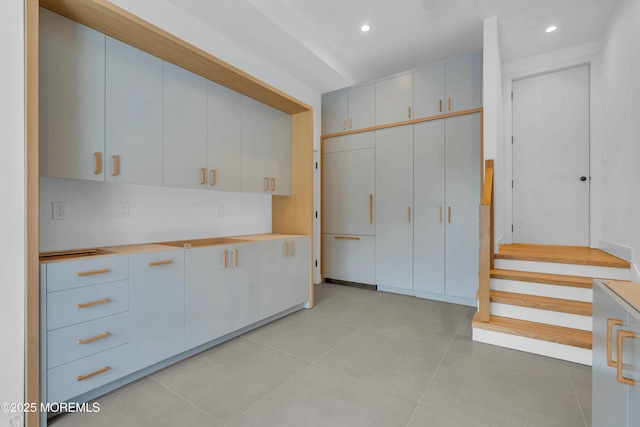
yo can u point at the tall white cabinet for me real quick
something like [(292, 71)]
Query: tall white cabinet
[(349, 109)]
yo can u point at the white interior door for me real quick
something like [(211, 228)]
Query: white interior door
[(551, 158)]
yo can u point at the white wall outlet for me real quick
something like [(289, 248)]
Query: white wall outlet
[(123, 210), (220, 211), (59, 210)]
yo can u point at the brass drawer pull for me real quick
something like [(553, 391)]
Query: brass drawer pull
[(224, 259), (98, 163), (235, 257), (116, 165), (346, 238), (449, 104), (273, 184), (92, 303), (370, 208), (409, 112), (610, 324), (440, 214), (157, 263), (621, 336), (93, 374), (96, 338), (91, 273), (266, 183), (409, 214), (441, 105), (213, 177), (449, 214), (292, 252), (203, 176), (286, 249)]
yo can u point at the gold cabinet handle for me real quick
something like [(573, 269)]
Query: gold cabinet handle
[(98, 162), (92, 303), (449, 104), (157, 263), (610, 324), (449, 215), (235, 257), (370, 208), (622, 334), (266, 183), (273, 184), (441, 105), (224, 259), (213, 177), (440, 214), (350, 123), (203, 176), (116, 165), (93, 374), (286, 249), (292, 252), (409, 113), (96, 338), (409, 214), (346, 238), (91, 273)]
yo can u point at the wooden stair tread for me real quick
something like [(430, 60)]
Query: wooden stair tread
[(539, 331), (581, 255), (542, 303), (544, 278)]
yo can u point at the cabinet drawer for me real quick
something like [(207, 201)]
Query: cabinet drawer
[(95, 301), (74, 274), (84, 339), (350, 258), (65, 382)]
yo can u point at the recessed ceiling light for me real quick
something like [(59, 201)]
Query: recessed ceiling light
[(551, 29), (364, 28)]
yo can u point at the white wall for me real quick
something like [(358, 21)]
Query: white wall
[(620, 149), (12, 225)]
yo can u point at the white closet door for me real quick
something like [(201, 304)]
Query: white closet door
[(428, 92), (394, 207), (185, 128), (362, 107), (429, 206), (462, 200), (281, 154), (71, 99), (224, 137), (257, 141), (134, 115), (464, 83), (394, 99), (335, 112)]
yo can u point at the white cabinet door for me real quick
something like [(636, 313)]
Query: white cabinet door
[(185, 128), (335, 112), (349, 183), (394, 207), (257, 141), (245, 280), (72, 78), (429, 206), (206, 295), (464, 83), (281, 154), (349, 258), (632, 371), (394, 99), (462, 200), (362, 107), (428, 92), (134, 100), (156, 307), (224, 136), (299, 270)]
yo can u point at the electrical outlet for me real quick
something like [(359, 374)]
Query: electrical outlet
[(59, 210), (220, 211), (123, 210)]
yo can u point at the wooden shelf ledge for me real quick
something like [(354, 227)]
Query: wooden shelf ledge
[(542, 303)]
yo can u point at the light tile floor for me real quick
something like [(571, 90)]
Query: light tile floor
[(359, 358)]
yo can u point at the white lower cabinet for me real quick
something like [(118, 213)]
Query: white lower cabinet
[(156, 307), (349, 258), (245, 281)]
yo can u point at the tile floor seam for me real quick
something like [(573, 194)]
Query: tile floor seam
[(276, 349), (435, 372), (406, 340), (575, 392), (188, 401), (316, 317)]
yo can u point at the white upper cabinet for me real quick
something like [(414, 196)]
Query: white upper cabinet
[(428, 92), (394, 99), (281, 154), (185, 128), (72, 77), (464, 83), (224, 148), (134, 115), (349, 109)]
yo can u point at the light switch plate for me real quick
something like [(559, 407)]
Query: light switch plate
[(59, 210)]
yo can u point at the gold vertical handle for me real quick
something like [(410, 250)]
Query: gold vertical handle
[(224, 259), (96, 338), (203, 176), (621, 336), (116, 165), (292, 251), (93, 374), (350, 123), (98, 162), (440, 214), (266, 183), (449, 104), (441, 105), (286, 249), (235, 257), (213, 177), (610, 324), (370, 208), (273, 184), (449, 215), (409, 214), (409, 112)]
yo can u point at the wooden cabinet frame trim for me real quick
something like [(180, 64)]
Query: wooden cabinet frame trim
[(290, 214)]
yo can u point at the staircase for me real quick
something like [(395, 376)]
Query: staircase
[(540, 299)]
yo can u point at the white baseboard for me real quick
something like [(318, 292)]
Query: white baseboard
[(615, 249), (471, 302)]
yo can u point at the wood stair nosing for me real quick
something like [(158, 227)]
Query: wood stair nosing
[(577, 255), (542, 303), (539, 331), (543, 278)]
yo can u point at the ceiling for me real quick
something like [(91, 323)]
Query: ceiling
[(320, 42)]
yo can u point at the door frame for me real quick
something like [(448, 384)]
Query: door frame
[(546, 64)]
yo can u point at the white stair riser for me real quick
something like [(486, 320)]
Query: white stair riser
[(567, 320), (543, 290), (530, 345), (565, 269)]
